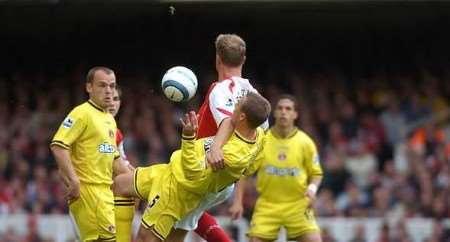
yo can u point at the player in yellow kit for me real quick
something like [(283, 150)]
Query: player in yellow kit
[(287, 180), (85, 150), (123, 206), (174, 189)]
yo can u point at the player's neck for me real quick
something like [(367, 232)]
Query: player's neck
[(284, 131), (246, 132), (96, 104), (228, 72)]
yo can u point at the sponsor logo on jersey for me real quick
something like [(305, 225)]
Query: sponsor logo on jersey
[(272, 170), (68, 122), (106, 148)]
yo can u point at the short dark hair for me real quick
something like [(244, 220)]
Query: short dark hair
[(231, 49), (91, 73), (119, 91), (289, 97), (256, 108)]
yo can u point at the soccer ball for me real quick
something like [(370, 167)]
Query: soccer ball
[(179, 84)]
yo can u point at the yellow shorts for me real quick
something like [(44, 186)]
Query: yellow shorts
[(167, 200), (268, 218), (93, 213)]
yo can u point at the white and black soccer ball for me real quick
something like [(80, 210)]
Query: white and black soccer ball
[(179, 84)]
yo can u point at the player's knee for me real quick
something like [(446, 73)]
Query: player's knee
[(122, 185)]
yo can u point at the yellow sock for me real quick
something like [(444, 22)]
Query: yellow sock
[(124, 212)]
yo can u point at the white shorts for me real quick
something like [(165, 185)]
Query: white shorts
[(190, 221)]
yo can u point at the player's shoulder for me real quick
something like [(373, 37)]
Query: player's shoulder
[(303, 138), (232, 81), (80, 110)]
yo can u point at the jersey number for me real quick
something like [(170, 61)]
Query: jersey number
[(154, 200)]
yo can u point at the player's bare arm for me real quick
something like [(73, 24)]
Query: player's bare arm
[(67, 172), (311, 191), (237, 209), (215, 156)]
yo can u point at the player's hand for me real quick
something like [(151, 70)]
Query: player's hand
[(236, 211), (214, 158), (311, 194), (72, 190), (189, 123)]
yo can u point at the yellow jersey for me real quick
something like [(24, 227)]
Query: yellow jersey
[(288, 163), (89, 133), (189, 164)]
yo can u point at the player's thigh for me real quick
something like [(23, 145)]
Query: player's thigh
[(123, 185), (146, 235), (84, 217), (266, 221), (254, 239), (93, 213), (105, 216), (313, 236), (300, 220), (190, 221), (144, 179), (177, 235)]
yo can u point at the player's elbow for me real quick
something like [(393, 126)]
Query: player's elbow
[(56, 150)]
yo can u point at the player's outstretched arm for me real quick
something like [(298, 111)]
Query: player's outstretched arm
[(237, 209), (192, 167), (67, 172), (215, 156)]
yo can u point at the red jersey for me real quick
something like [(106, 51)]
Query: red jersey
[(219, 103), (119, 143)]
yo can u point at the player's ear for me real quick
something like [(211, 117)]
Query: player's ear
[(243, 61), (242, 116), (295, 114), (89, 87)]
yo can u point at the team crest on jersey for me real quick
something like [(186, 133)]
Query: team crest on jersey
[(68, 122), (112, 228), (106, 148), (282, 156), (111, 134)]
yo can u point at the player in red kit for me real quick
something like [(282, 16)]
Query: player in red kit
[(215, 120)]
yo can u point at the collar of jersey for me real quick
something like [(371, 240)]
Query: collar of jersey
[(244, 139), (293, 132), (93, 104), (227, 78)]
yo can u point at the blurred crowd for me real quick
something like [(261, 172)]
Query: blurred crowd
[(384, 139)]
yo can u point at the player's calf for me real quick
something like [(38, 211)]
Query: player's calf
[(209, 230)]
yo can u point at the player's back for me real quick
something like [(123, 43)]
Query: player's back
[(286, 166), (238, 154), (219, 103)]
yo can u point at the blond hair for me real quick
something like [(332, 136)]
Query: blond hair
[(231, 49)]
